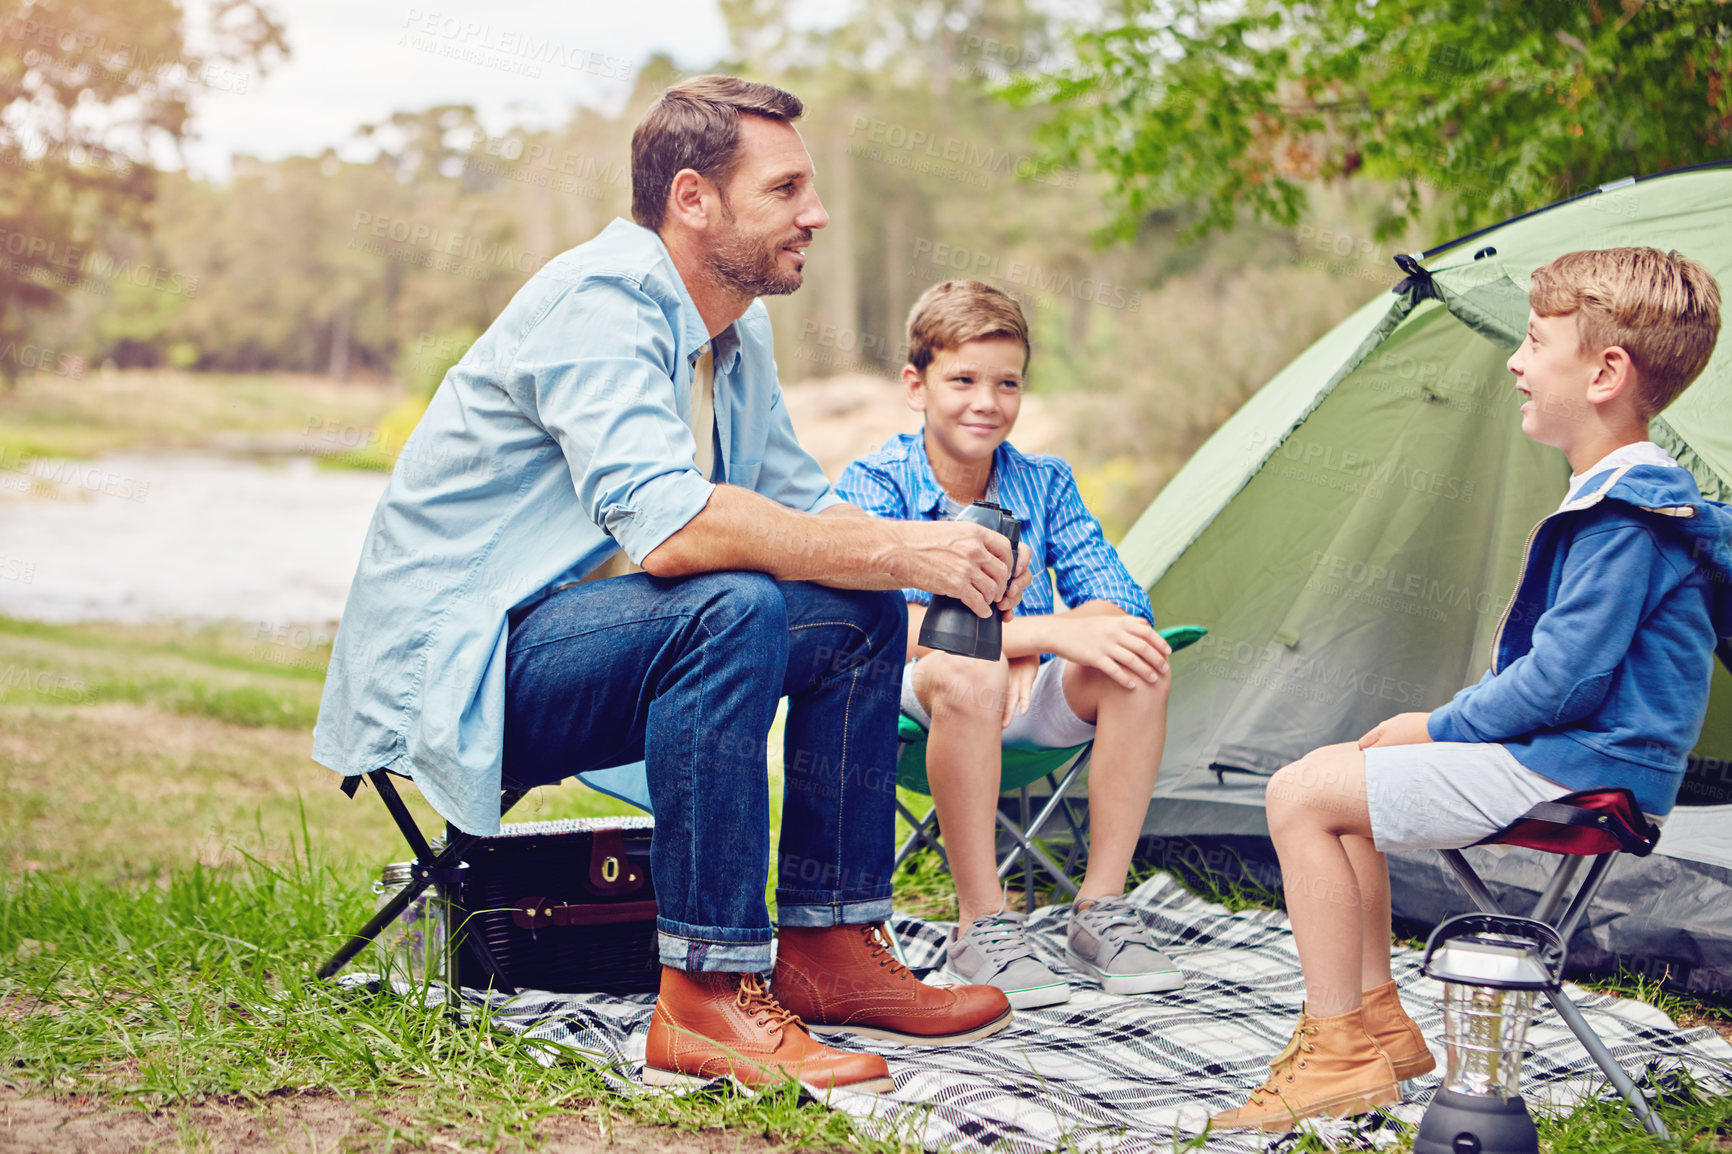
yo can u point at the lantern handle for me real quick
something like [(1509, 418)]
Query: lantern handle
[(1542, 941)]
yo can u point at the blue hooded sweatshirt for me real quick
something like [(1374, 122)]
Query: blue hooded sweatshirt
[(1601, 664)]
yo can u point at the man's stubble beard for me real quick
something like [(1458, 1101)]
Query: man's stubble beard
[(750, 266)]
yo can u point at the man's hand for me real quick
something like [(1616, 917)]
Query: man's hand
[(845, 548), (1402, 729), (1018, 687), (1125, 648), (956, 559)]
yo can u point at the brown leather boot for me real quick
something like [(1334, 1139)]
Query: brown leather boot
[(1397, 1033), (845, 978), (713, 1025), (1331, 1066)]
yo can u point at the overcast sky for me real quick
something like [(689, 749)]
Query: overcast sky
[(522, 61)]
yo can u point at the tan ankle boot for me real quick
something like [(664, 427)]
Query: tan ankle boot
[(1331, 1066), (846, 979), (713, 1025), (1398, 1034)]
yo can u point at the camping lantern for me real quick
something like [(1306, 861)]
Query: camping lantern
[(1491, 967)]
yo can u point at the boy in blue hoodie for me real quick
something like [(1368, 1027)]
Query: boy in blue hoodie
[(1599, 671)]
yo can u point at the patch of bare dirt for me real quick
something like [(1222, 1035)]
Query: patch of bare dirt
[(1720, 1023), (302, 1122)]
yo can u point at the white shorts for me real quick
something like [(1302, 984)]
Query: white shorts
[(1050, 722), (1448, 794)]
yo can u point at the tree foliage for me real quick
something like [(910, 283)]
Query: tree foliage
[(389, 263), (1493, 107), (88, 89)]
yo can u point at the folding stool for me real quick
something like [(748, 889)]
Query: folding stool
[(1597, 823), (439, 870)]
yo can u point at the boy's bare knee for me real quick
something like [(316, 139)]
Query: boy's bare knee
[(1324, 790), (1298, 794), (1282, 797), (946, 683), (1154, 697)]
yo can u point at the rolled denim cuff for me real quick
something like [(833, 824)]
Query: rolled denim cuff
[(709, 949), (817, 908)]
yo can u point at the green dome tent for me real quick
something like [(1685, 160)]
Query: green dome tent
[(1352, 534)]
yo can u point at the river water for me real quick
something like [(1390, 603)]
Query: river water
[(181, 537)]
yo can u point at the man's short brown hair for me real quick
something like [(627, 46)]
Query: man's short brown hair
[(1661, 308), (951, 313), (696, 125)]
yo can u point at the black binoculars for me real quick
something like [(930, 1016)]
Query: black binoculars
[(952, 626)]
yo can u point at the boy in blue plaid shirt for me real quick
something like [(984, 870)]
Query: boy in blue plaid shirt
[(1097, 672)]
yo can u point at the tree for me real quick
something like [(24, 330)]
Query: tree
[(88, 89), (1492, 107)]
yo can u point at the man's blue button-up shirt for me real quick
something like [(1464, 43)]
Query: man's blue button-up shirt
[(562, 437), (1062, 535)]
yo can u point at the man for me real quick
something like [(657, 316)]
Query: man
[(473, 655)]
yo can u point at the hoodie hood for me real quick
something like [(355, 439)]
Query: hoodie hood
[(1670, 496)]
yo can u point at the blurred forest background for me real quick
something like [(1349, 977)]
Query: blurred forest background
[(202, 380), (1182, 195)]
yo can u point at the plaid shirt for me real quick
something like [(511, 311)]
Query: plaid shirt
[(1064, 537)]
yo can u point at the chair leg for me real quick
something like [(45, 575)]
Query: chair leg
[(1470, 882), (923, 831), (430, 871), (1546, 909), (1027, 848), (1078, 832), (364, 936), (1027, 860), (1566, 926), (474, 943), (1572, 918), (1606, 1062), (1077, 829)]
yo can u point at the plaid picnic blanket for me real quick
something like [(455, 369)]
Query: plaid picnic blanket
[(1134, 1074)]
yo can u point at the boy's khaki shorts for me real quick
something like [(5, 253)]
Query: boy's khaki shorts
[(1448, 794), (1050, 722)]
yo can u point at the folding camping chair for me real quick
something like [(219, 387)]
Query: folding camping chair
[(1020, 768), (1597, 823)]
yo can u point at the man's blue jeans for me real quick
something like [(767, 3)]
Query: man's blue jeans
[(685, 674)]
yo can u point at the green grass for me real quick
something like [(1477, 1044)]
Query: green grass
[(131, 752), (173, 867), (224, 673), (161, 915), (203, 986)]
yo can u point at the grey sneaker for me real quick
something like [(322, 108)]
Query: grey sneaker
[(994, 951), (1108, 939)]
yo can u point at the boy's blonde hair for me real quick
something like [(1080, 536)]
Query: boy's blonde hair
[(951, 313), (1661, 308)]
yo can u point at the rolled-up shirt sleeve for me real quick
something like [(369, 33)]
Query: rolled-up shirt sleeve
[(600, 381)]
